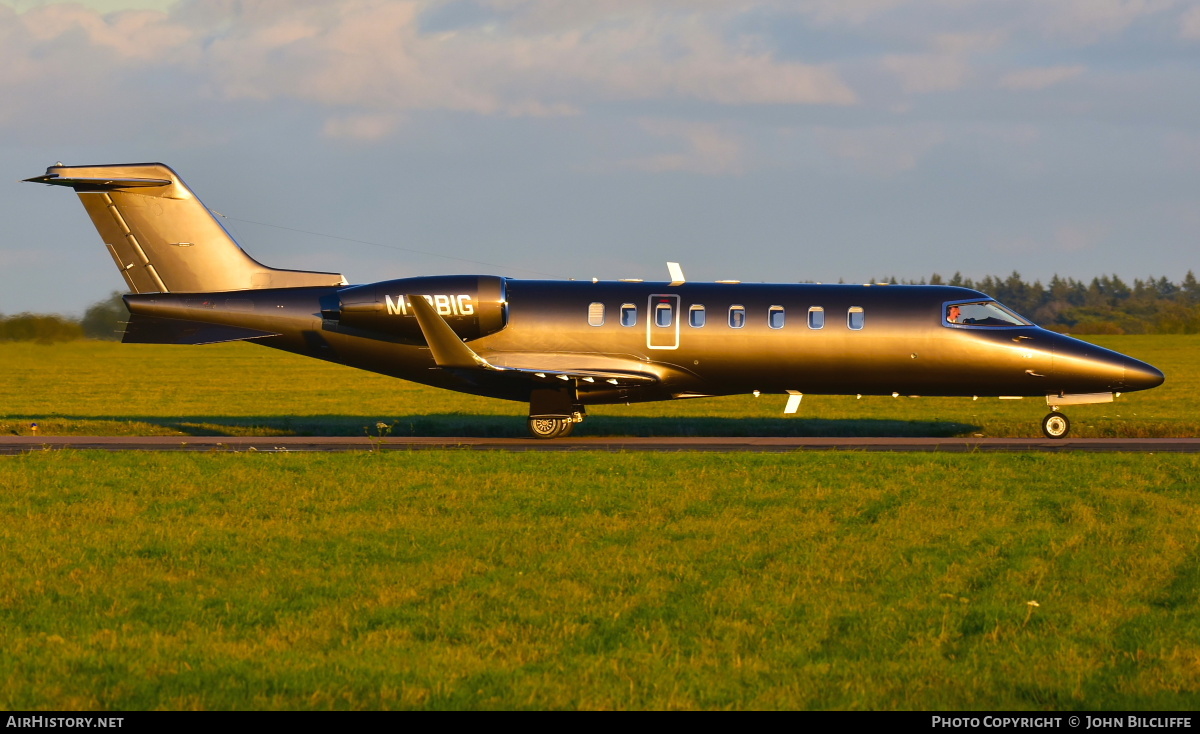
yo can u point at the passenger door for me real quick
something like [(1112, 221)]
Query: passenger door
[(662, 321)]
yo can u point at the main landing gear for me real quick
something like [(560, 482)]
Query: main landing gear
[(553, 412), (1056, 425), (553, 426)]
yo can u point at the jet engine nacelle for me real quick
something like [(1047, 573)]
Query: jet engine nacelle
[(474, 306)]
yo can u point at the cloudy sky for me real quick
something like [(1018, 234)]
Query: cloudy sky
[(747, 139)]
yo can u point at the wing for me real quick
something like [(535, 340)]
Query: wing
[(449, 352)]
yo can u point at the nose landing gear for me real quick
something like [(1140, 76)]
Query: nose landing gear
[(1056, 425)]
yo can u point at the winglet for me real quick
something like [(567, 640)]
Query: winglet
[(447, 348)]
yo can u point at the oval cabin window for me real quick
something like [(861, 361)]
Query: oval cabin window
[(662, 315), (856, 318)]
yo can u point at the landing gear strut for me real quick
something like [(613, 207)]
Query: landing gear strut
[(1056, 425)]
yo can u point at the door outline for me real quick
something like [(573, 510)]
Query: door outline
[(662, 337)]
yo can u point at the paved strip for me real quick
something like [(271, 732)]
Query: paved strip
[(12, 445)]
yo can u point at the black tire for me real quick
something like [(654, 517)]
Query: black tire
[(1056, 425), (544, 427)]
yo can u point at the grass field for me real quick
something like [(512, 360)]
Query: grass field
[(491, 580), (466, 580), (99, 388)]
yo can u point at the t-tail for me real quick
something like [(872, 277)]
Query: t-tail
[(162, 238)]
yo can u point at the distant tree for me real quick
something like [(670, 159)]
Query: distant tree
[(1191, 288), (103, 319), (43, 328), (1165, 288)]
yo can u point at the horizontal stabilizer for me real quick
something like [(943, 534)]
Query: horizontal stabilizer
[(157, 330), (98, 184)]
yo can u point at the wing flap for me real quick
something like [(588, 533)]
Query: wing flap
[(584, 379)]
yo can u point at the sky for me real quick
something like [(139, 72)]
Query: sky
[(759, 140)]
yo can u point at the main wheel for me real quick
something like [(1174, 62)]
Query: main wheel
[(1056, 425), (543, 427)]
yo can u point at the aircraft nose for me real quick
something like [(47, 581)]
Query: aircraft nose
[(1141, 376)]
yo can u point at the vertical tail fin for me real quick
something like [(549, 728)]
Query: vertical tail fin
[(162, 238)]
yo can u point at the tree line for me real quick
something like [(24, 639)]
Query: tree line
[(102, 320), (1106, 305)]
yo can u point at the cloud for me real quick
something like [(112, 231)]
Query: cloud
[(1088, 21), (841, 12), (1189, 24), (881, 151), (1183, 149), (367, 57), (1040, 78), (1079, 237), (946, 67), (965, 43), (131, 35), (366, 128), (1082, 21), (708, 150), (1069, 237), (924, 73)]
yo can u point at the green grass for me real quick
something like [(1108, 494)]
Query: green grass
[(97, 388), (464, 580)]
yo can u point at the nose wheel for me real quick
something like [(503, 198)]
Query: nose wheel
[(1056, 425)]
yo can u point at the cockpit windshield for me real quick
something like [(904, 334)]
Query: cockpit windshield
[(982, 313)]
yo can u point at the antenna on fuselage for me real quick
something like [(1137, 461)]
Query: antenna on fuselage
[(676, 274)]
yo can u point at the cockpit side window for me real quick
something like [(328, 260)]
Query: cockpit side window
[(982, 313)]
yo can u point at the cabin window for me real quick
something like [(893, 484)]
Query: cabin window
[(775, 317), (737, 317), (855, 318), (628, 314), (596, 314), (816, 317), (696, 316), (662, 315)]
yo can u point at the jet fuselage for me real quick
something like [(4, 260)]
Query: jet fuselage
[(696, 339)]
